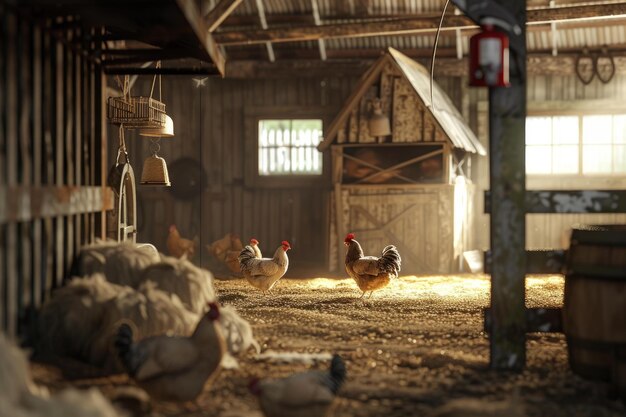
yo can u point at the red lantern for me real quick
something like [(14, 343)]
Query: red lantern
[(489, 58)]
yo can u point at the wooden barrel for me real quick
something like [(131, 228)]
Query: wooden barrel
[(594, 307)]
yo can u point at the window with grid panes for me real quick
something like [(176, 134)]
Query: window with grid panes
[(289, 147), (576, 144)]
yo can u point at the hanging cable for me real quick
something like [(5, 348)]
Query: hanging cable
[(432, 61), (200, 136)]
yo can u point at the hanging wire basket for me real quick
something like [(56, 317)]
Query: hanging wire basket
[(136, 112)]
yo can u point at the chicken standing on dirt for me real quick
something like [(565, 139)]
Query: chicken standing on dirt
[(174, 368), (308, 394), (370, 272), (263, 273), (178, 246)]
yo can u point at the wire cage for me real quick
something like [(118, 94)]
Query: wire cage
[(136, 111), (119, 109)]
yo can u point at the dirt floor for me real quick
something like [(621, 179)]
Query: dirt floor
[(416, 348)]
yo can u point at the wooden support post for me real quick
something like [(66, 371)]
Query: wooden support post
[(99, 154), (37, 126), (11, 159), (507, 113)]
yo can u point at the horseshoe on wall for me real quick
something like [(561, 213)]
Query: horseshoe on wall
[(585, 67)]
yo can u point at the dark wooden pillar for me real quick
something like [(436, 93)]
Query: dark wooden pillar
[(507, 114)]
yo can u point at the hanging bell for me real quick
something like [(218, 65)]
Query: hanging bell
[(154, 167), (378, 123), (155, 172)]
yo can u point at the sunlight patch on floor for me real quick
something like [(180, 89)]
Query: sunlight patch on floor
[(454, 286)]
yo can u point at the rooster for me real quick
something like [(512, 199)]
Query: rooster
[(255, 245), (308, 394), (370, 272), (174, 368), (263, 273), (178, 246)]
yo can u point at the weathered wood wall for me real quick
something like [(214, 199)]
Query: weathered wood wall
[(210, 125), (51, 150)]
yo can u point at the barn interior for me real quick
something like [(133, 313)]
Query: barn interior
[(145, 145)]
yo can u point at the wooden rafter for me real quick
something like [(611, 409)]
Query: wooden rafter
[(192, 14), (263, 20), (447, 64), (414, 25), (220, 12), (318, 22)]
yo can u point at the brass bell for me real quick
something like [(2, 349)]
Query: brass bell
[(155, 169), (378, 123)]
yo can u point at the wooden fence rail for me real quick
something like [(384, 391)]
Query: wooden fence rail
[(51, 158)]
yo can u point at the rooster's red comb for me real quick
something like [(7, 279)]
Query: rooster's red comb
[(349, 237), (254, 241), (214, 311), (285, 243)]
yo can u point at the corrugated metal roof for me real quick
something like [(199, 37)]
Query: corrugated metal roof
[(601, 32)]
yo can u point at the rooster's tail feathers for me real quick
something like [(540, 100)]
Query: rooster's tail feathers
[(123, 344), (337, 373), (391, 260), (245, 256)]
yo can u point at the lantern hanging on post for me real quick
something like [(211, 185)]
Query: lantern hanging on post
[(489, 58)]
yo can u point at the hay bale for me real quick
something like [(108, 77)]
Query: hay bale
[(68, 320), (120, 262), (180, 277)]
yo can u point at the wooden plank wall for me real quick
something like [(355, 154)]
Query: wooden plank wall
[(209, 125), (50, 156)]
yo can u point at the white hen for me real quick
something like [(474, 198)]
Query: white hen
[(265, 272)]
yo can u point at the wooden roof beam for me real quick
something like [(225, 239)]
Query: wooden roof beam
[(407, 26), (220, 12), (192, 14), (263, 20), (538, 64), (318, 22)]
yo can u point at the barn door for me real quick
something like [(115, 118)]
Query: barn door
[(407, 219)]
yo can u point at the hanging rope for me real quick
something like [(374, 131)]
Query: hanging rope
[(158, 65), (122, 146), (432, 62)]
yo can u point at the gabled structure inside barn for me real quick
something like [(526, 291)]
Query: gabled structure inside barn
[(410, 185)]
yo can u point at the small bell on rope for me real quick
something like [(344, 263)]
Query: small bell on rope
[(154, 167)]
